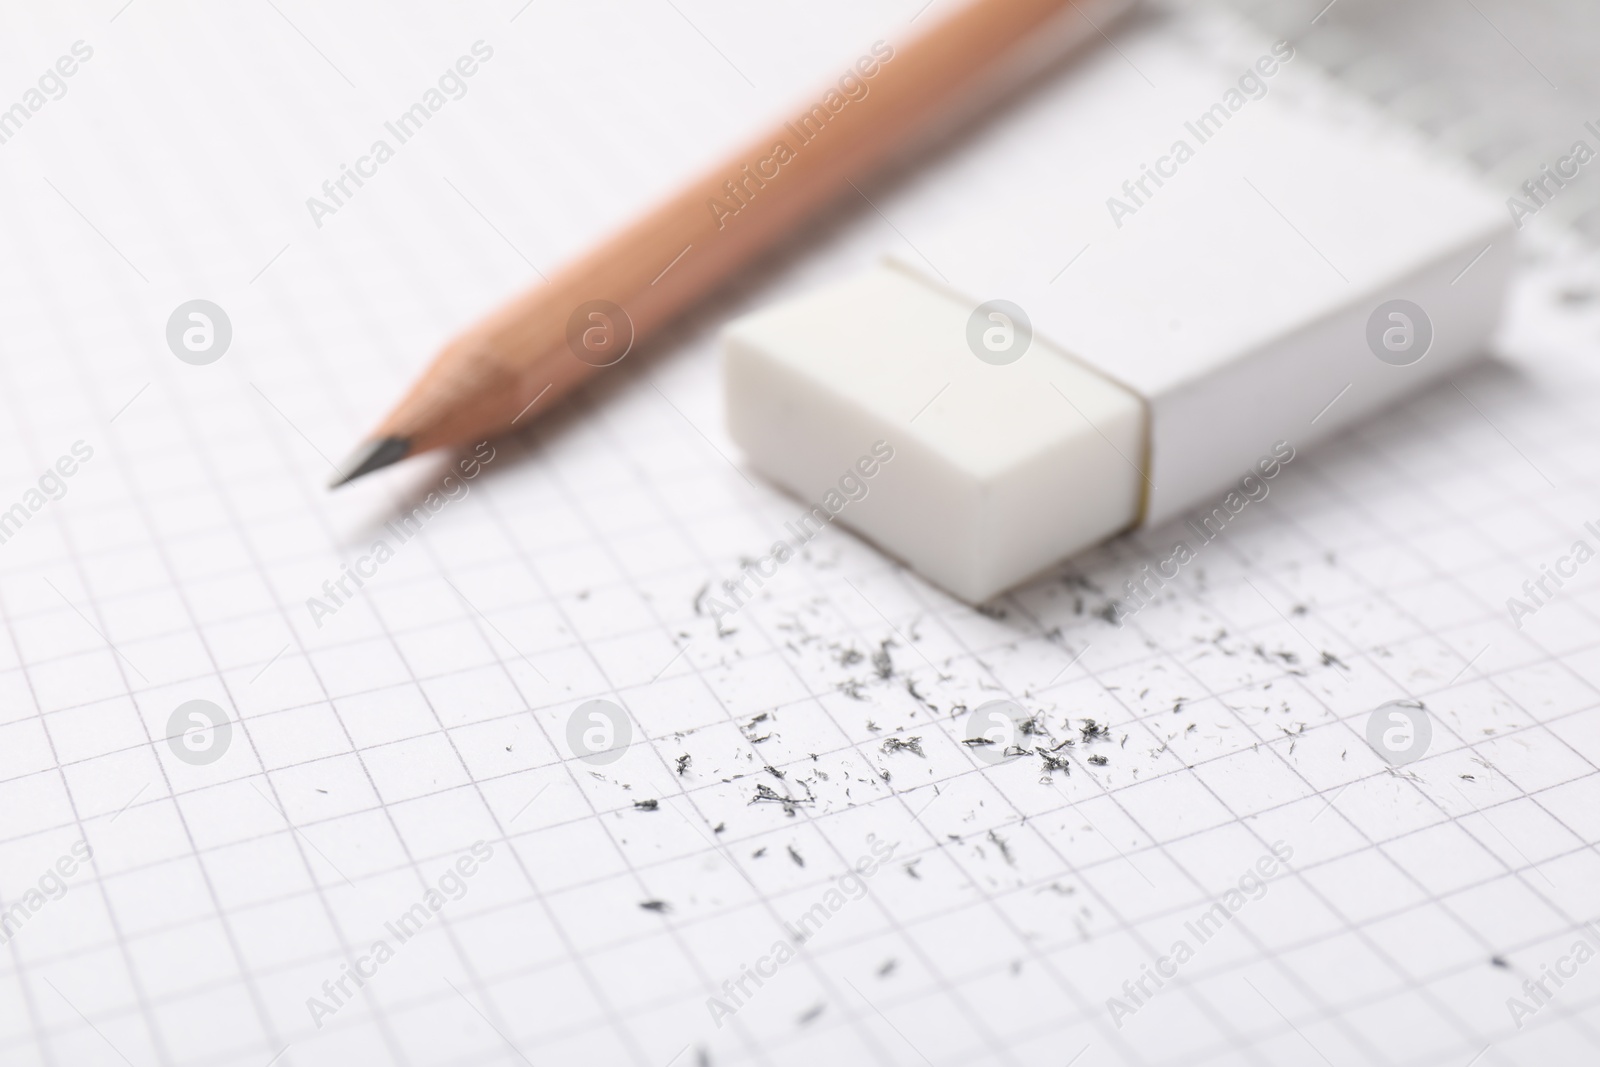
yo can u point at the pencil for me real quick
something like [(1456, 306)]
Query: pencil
[(598, 308)]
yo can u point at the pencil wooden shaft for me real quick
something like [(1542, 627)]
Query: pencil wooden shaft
[(483, 381)]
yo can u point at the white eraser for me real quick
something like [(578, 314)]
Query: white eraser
[(1301, 266), (982, 479)]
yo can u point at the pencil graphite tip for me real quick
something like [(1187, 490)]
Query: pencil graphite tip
[(372, 455)]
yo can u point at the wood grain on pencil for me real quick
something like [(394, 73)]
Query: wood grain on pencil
[(485, 380)]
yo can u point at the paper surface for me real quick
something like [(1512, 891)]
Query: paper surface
[(398, 767)]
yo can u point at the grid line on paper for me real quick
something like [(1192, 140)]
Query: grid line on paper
[(1293, 802), (1219, 695), (867, 1037), (347, 945), (464, 958), (1540, 723), (1350, 928), (126, 687), (478, 621), (1364, 651), (1181, 867), (990, 1038), (1373, 997)]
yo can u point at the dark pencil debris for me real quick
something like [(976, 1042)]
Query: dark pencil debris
[(765, 792), (882, 661), (1005, 849), (1052, 764)]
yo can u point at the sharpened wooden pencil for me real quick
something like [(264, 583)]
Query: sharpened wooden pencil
[(598, 308)]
